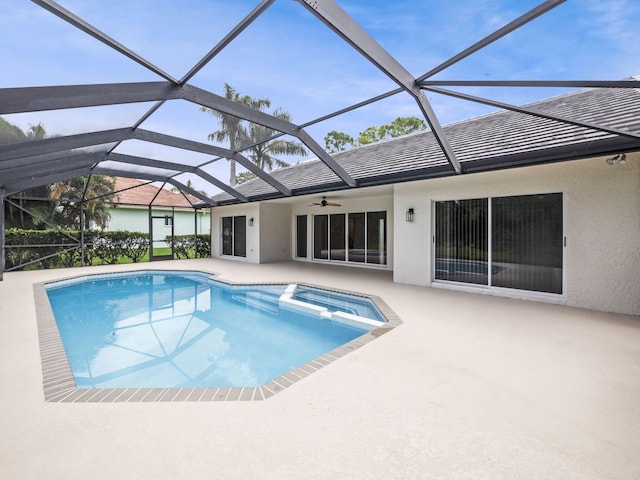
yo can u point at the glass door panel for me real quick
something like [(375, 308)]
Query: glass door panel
[(356, 237), (301, 236), (337, 237), (377, 237), (227, 235), (461, 250), (321, 237), (527, 242), (240, 236)]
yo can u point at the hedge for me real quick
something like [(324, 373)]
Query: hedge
[(188, 246), (24, 246)]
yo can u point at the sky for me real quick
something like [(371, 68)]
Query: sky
[(291, 58)]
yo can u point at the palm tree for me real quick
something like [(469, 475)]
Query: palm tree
[(99, 186), (232, 128), (262, 154), (36, 132)]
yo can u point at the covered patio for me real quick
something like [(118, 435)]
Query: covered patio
[(469, 386)]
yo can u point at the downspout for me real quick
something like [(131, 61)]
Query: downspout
[(2, 225)]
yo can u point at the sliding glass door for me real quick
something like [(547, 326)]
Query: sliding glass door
[(359, 237), (234, 236), (511, 242)]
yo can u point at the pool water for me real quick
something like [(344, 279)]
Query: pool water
[(184, 330)]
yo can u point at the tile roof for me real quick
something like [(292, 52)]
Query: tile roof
[(137, 192), (502, 139)]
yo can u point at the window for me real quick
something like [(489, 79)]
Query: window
[(301, 236), (234, 236), (511, 242), (354, 237)]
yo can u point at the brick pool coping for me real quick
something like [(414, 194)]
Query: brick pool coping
[(59, 384)]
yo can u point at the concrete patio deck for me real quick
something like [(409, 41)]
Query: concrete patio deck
[(468, 387)]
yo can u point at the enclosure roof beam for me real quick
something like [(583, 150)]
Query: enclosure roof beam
[(79, 23), (228, 38), (532, 14), (177, 167), (37, 180), (515, 24), (532, 83), (34, 99), (535, 113), (156, 178), (69, 142), (18, 100), (59, 144), (337, 20), (49, 166), (224, 105)]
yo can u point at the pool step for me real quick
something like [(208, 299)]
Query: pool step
[(267, 302)]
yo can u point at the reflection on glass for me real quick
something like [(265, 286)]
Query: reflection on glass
[(357, 250), (337, 237), (240, 236), (377, 237), (301, 236), (321, 237), (527, 242), (462, 241), (227, 235)]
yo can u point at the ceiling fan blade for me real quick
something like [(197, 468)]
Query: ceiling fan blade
[(333, 204)]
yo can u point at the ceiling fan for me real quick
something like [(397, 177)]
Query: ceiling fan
[(325, 203)]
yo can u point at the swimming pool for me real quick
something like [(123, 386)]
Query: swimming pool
[(157, 329)]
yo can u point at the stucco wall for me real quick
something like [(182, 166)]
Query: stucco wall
[(251, 210), (602, 226), (275, 232)]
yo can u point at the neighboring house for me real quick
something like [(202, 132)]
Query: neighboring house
[(132, 211), (544, 210)]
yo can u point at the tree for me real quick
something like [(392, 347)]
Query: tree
[(335, 142), (232, 129), (240, 133), (404, 126), (93, 210), (339, 141), (36, 132), (243, 177), (9, 133), (263, 154), (65, 213)]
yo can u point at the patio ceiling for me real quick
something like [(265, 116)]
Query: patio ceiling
[(29, 164)]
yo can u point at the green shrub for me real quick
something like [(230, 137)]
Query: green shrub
[(25, 246), (188, 246)]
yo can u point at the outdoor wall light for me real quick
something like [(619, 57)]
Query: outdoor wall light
[(409, 216), (251, 222), (620, 159)]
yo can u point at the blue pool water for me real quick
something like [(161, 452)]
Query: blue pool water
[(185, 330)]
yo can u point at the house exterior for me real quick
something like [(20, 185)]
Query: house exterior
[(544, 211), (132, 211)]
